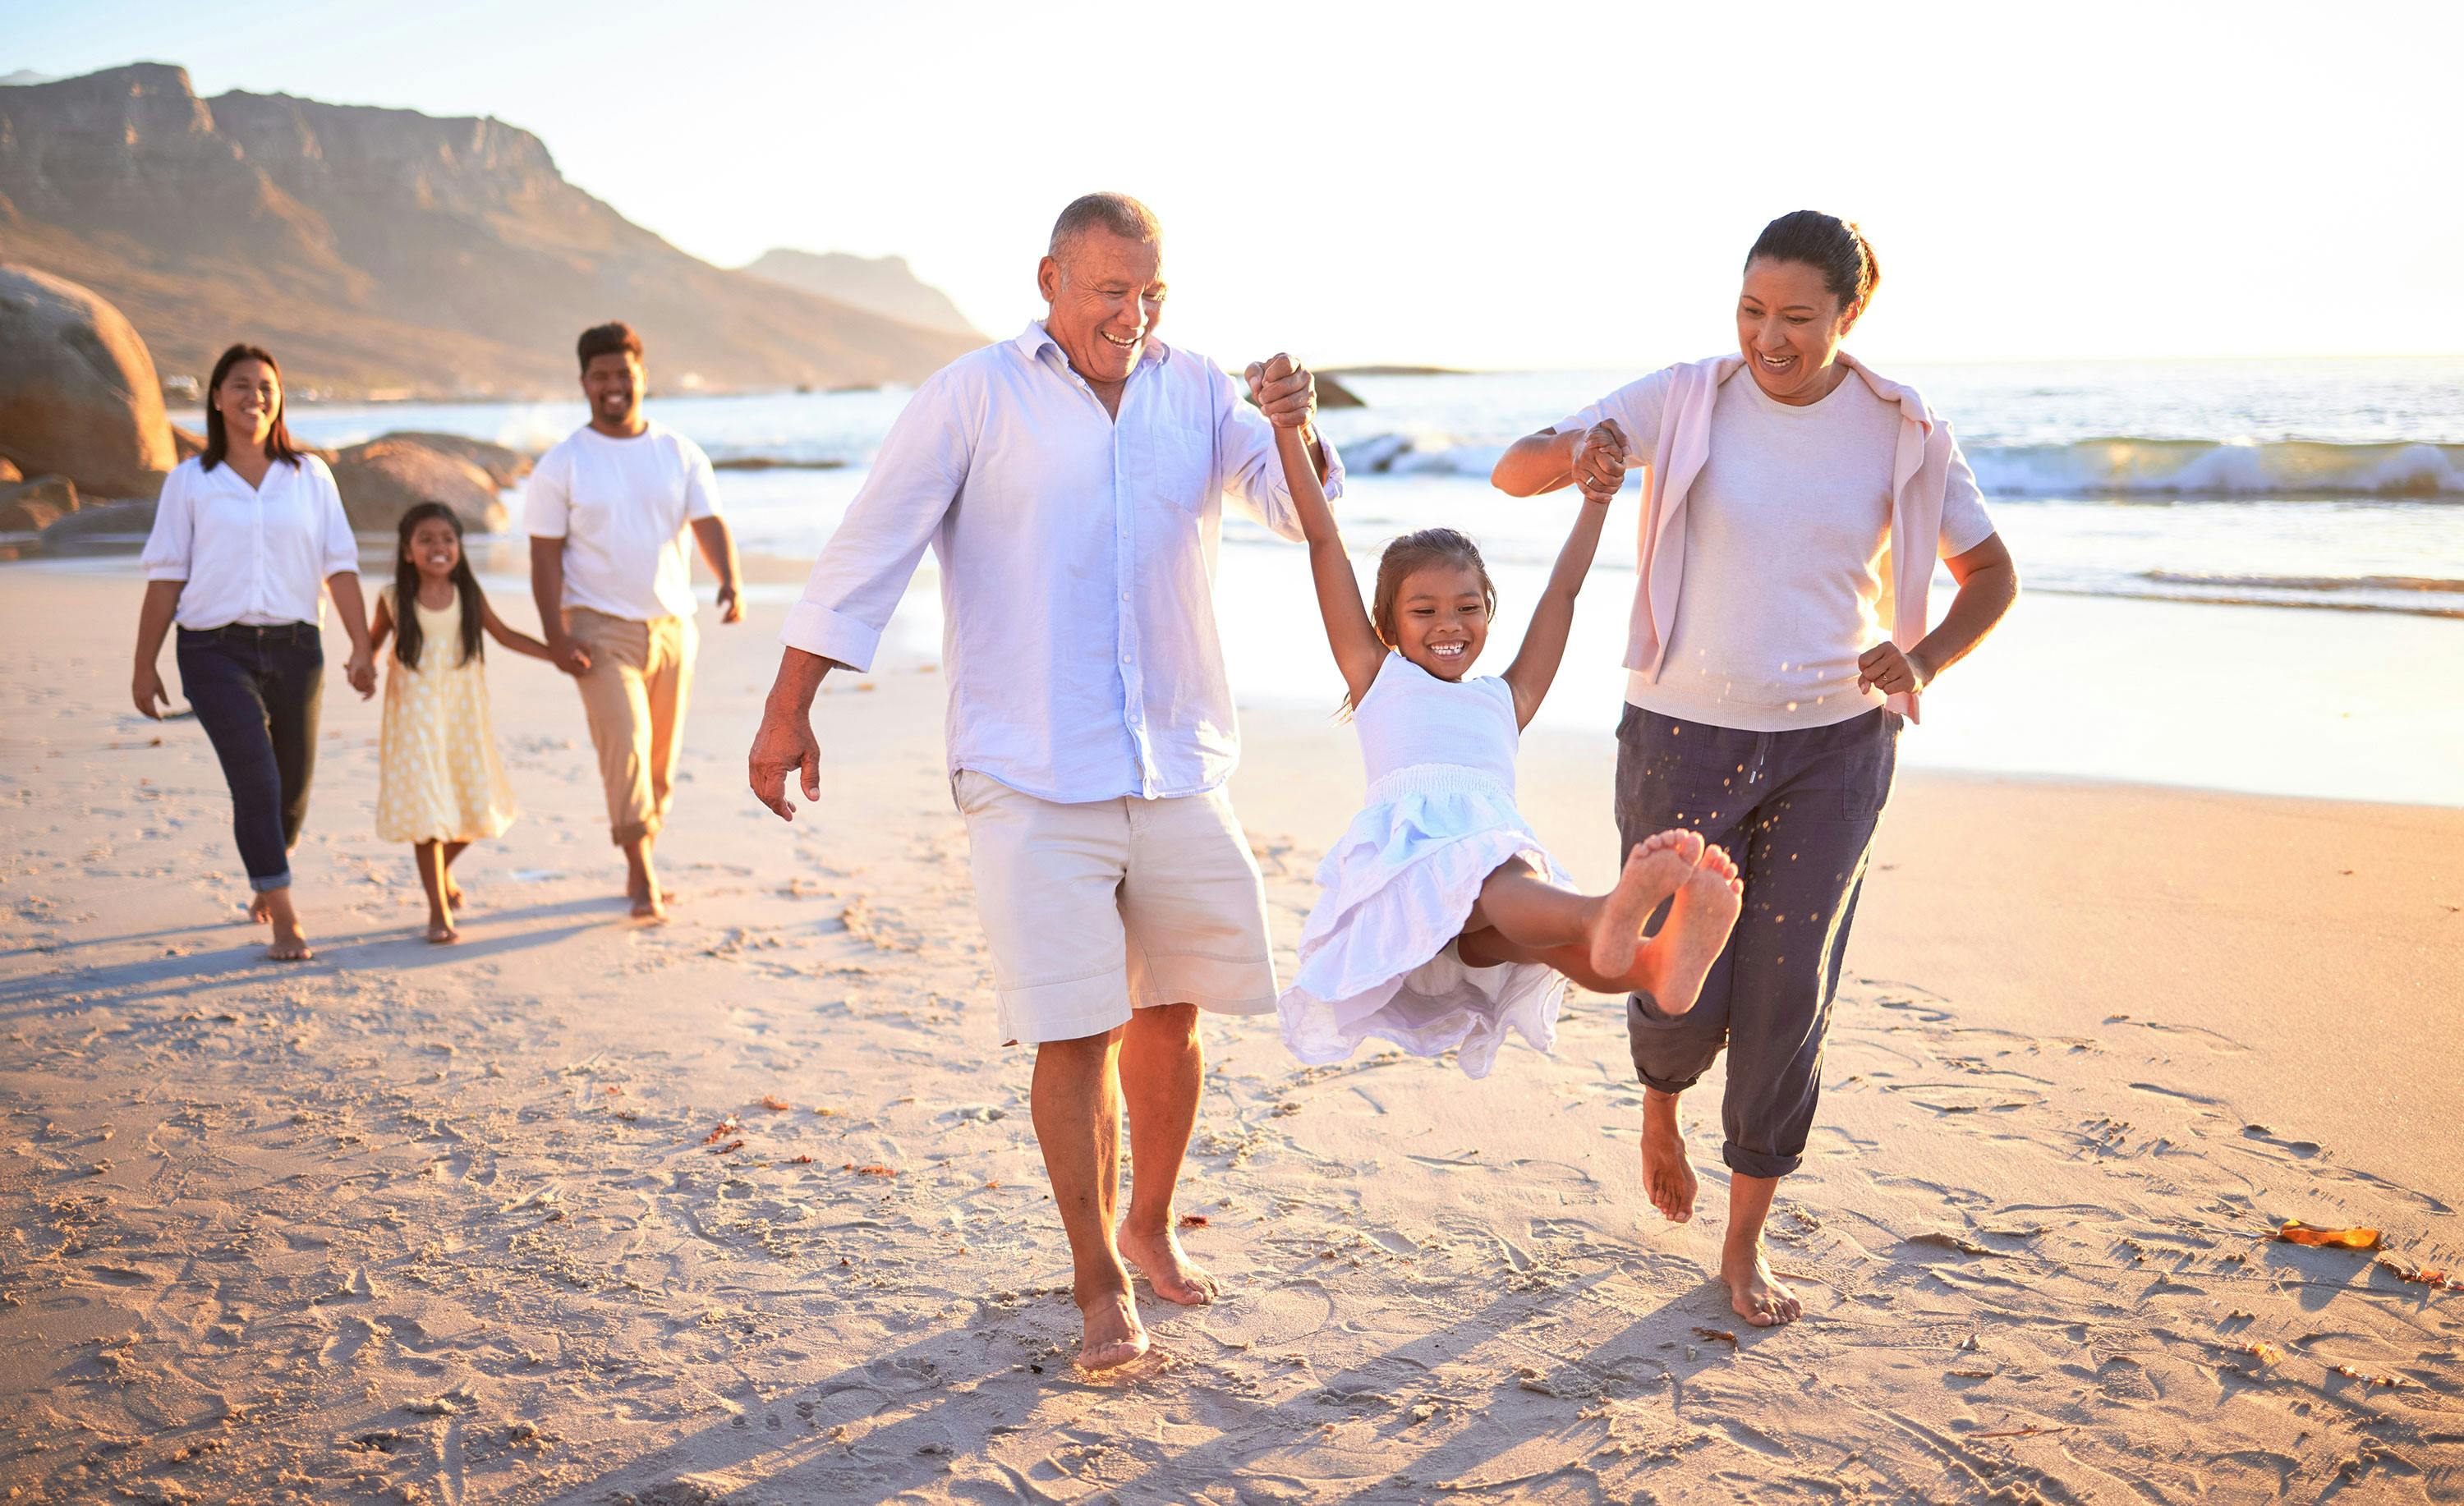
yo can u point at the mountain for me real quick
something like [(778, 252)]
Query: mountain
[(386, 250), (24, 76), (882, 284)]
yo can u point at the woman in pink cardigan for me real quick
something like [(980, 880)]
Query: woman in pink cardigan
[(1795, 504)]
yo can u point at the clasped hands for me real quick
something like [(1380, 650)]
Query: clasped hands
[(1599, 461), (1285, 390)]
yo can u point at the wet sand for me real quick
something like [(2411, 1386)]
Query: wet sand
[(746, 1208)]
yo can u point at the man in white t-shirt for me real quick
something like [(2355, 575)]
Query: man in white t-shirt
[(607, 509)]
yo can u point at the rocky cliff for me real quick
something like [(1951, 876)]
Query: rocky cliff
[(384, 250), (885, 285)]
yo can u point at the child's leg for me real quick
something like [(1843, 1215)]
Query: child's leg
[(431, 860), (1525, 911), (453, 890), (1671, 965)]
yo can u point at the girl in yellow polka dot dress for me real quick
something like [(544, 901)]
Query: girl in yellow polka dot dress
[(439, 785)]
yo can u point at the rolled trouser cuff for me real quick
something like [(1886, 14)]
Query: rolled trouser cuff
[(270, 882), (1661, 1041), (1757, 1163)]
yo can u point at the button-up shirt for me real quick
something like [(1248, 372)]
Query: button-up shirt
[(1077, 562), (254, 555)]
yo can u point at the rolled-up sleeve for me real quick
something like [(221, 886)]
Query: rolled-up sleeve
[(341, 550), (1964, 521), (864, 569), (1253, 472), (170, 545)]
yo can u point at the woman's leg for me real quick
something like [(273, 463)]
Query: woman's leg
[(222, 680), (453, 890), (1807, 865), (430, 858)]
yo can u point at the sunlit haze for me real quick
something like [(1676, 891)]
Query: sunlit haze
[(1540, 185)]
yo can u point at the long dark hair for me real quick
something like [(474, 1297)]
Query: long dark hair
[(406, 635), (277, 439)]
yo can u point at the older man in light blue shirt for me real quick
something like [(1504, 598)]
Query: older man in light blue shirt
[(1071, 483)]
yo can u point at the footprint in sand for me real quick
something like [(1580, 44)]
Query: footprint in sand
[(1280, 1314)]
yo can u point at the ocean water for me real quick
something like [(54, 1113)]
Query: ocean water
[(2240, 574)]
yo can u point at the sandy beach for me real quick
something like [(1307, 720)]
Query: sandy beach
[(746, 1208)]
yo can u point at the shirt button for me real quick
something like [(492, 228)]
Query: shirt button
[(1125, 659)]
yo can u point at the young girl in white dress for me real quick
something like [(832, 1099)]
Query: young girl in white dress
[(1441, 923), (439, 784)]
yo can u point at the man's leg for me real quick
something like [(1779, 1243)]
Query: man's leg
[(1047, 878), (616, 703), (1163, 1068), (1809, 851), (1194, 921), (1076, 1101)]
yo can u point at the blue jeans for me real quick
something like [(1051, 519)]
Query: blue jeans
[(256, 690), (1797, 810)]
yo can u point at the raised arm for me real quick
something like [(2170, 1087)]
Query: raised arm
[(1552, 621), (1595, 457), (1358, 652)]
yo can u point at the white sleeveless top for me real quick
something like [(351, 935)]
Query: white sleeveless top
[(1411, 721)]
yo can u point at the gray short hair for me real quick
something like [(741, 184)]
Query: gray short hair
[(1116, 213)]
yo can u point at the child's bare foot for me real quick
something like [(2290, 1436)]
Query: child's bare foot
[(1653, 872), (1113, 1336), (1667, 1176), (1174, 1276), (440, 927), (452, 894), (1759, 1296), (1698, 921), (649, 904)]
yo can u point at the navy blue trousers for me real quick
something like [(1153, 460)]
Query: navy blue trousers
[(1797, 812), (257, 692)]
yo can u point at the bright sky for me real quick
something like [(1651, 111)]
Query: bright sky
[(1533, 184)]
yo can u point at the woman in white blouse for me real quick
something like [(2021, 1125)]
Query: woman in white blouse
[(250, 535)]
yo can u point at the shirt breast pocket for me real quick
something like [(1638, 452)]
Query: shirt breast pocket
[(1178, 470)]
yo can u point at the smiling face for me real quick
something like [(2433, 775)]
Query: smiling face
[(614, 385), (1789, 327), (1442, 618), (1104, 296), (250, 399), (433, 547)]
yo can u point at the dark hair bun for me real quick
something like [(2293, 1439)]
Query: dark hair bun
[(1831, 246)]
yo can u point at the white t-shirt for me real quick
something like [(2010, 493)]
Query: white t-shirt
[(1787, 532), (621, 506), (254, 555)]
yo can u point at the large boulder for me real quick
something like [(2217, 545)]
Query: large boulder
[(384, 478), (187, 442), (78, 393), (503, 464), (108, 527), (9, 475), (36, 504)]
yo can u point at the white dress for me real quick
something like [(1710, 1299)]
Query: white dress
[(1377, 957)]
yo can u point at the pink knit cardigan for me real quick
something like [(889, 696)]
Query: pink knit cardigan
[(1920, 473)]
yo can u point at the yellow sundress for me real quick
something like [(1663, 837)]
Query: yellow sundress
[(438, 778)]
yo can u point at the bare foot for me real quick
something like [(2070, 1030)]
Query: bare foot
[(442, 932), (1698, 921), (1653, 872), (1167, 1267), (290, 945), (1113, 1335), (1758, 1295), (648, 903), (1667, 1176), (261, 909), (452, 894)]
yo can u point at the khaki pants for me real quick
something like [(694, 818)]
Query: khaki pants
[(634, 695)]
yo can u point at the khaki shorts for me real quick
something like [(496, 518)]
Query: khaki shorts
[(1095, 909)]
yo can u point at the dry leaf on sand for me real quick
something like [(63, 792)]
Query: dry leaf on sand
[(1718, 1335), (2296, 1233), (774, 1102), (1193, 1220)]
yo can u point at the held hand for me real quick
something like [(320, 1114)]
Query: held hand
[(148, 695), (784, 745), (1285, 390), (731, 606), (1600, 460), (362, 673), (1887, 669), (568, 656)]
